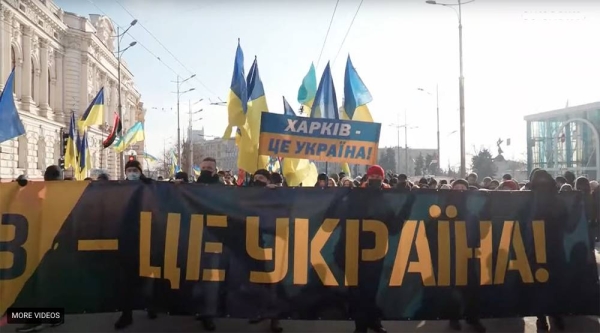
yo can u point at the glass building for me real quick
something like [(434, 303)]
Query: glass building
[(565, 139)]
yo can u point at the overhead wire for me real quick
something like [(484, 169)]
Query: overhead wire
[(328, 30), (348, 31), (137, 41), (165, 48)]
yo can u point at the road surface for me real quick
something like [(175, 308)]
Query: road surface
[(104, 323)]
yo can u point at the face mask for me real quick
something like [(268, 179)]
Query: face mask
[(206, 177), (133, 176), (375, 183), (258, 183)]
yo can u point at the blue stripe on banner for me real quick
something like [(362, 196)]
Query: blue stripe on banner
[(320, 128)]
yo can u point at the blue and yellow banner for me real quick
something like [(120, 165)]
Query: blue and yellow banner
[(299, 253), (328, 140)]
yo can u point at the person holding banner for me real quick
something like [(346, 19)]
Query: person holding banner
[(375, 177)]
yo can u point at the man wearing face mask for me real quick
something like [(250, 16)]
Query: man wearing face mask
[(261, 178), (208, 172), (133, 170), (375, 177)]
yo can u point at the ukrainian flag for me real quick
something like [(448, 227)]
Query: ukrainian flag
[(94, 113), (325, 103), (308, 89), (71, 150), (248, 158), (84, 159), (174, 166), (287, 108), (133, 135), (238, 95), (356, 95), (196, 171), (149, 157)]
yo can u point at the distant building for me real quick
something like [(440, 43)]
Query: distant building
[(565, 139), (224, 151)]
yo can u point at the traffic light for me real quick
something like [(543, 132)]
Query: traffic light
[(131, 158), (61, 163), (65, 138)]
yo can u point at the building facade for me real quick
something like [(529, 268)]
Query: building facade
[(565, 139), (224, 151), (61, 60)]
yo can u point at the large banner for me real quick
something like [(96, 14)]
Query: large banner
[(328, 140), (299, 253)]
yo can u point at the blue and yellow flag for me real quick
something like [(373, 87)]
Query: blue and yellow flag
[(356, 96), (72, 149), (174, 163), (196, 170), (10, 122), (287, 108), (149, 157), (248, 157), (325, 104), (238, 95), (308, 89), (94, 114), (84, 158), (133, 135)]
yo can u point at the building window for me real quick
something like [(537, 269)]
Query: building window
[(32, 80), (13, 62)]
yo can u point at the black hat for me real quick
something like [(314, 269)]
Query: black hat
[(133, 164)]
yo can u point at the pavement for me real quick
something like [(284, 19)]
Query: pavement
[(103, 322)]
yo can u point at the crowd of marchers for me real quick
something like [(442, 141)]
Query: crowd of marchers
[(375, 177)]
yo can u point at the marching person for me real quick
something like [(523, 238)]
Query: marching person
[(133, 172)]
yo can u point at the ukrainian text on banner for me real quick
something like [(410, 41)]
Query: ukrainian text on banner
[(319, 139), (300, 253)]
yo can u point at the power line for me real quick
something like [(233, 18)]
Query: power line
[(166, 49), (348, 31), (327, 34), (138, 42)]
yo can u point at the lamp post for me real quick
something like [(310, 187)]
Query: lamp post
[(437, 110), (461, 80), (120, 52), (191, 135), (179, 93), (406, 127)]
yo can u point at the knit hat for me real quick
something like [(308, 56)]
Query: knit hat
[(133, 164), (376, 170)]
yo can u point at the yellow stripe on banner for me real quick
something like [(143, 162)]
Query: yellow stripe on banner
[(320, 149), (98, 245), (38, 211)]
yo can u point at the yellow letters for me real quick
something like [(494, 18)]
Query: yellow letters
[(172, 272), (147, 270), (215, 275), (520, 263), (280, 255), (423, 265)]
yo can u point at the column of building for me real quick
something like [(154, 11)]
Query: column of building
[(57, 94), (26, 70), (45, 109), (4, 47)]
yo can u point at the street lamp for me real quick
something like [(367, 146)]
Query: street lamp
[(461, 80), (179, 93), (437, 101), (406, 127), (191, 135), (120, 52)]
